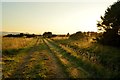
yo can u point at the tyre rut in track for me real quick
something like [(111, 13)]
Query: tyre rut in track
[(70, 66), (59, 70), (42, 63)]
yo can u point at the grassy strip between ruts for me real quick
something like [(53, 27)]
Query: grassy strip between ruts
[(57, 59), (89, 67), (70, 59)]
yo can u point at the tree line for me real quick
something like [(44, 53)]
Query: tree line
[(22, 35)]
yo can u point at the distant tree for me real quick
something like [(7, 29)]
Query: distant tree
[(54, 35), (47, 34), (21, 35), (8, 35), (30, 35), (68, 34), (110, 24)]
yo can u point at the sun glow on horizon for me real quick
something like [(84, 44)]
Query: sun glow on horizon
[(57, 17)]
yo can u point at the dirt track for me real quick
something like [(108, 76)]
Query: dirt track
[(44, 60), (70, 67), (36, 62)]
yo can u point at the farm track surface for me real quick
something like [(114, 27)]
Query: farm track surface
[(36, 62), (44, 59), (70, 67)]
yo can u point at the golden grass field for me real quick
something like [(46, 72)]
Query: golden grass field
[(58, 57)]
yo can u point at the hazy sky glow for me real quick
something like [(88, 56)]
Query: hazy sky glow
[(58, 17)]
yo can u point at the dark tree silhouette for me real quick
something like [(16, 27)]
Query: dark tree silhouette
[(47, 34), (110, 24), (21, 35), (68, 35)]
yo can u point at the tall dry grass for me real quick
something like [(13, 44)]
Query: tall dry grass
[(15, 43)]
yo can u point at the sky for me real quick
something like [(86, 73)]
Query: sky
[(59, 17)]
